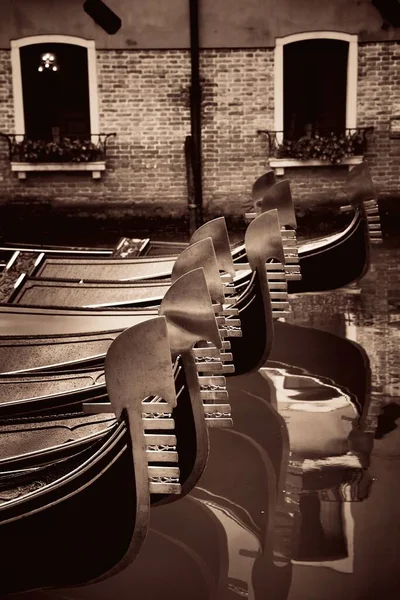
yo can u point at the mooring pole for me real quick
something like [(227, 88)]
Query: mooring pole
[(195, 111)]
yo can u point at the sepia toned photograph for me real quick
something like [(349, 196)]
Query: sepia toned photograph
[(200, 299)]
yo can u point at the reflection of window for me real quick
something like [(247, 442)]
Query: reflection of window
[(315, 83), (314, 92), (50, 103), (55, 90)]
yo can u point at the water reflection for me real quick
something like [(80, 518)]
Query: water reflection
[(367, 314), (300, 500)]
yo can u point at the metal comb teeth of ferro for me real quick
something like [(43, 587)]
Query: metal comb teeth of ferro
[(291, 254), (277, 283), (160, 442), (158, 426), (225, 310), (278, 272), (212, 364), (374, 221)]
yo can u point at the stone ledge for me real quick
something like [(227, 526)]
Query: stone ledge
[(22, 168), (279, 164)]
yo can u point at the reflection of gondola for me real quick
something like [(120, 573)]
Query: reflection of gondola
[(328, 355), (311, 524), (223, 526), (323, 479), (243, 508)]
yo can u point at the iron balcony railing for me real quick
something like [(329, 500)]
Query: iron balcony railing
[(77, 148), (325, 145)]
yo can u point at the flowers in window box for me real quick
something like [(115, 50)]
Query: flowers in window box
[(65, 150), (332, 147)]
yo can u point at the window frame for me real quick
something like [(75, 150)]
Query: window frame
[(352, 75), (19, 119)]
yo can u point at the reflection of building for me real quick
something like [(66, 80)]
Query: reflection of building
[(303, 68)]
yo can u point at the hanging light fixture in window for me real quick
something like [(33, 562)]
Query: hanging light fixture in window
[(48, 62)]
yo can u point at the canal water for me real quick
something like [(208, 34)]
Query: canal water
[(300, 500)]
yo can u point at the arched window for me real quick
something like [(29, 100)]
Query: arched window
[(55, 87), (315, 84)]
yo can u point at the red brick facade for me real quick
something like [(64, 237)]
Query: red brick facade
[(143, 97), (378, 100)]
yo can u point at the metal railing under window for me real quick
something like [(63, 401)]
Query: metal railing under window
[(324, 145), (74, 148)]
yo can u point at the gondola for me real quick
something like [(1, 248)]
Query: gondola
[(179, 324), (126, 246), (153, 267), (38, 291), (338, 259), (253, 306), (190, 319), (116, 267), (313, 254), (318, 259), (49, 518)]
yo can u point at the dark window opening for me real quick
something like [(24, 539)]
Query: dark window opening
[(56, 101), (315, 82)]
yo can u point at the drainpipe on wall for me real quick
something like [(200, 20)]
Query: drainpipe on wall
[(196, 205)]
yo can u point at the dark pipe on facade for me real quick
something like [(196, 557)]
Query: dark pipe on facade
[(195, 113)]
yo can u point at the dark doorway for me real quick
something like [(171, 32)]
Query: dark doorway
[(315, 82), (56, 100)]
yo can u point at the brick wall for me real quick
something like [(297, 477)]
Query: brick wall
[(6, 114), (378, 100), (143, 97), (238, 98)]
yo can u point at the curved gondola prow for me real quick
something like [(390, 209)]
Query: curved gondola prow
[(338, 261), (359, 185), (261, 185), (279, 196), (263, 243), (361, 192), (217, 231), (190, 314), (201, 254), (263, 240), (191, 319), (138, 365)]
